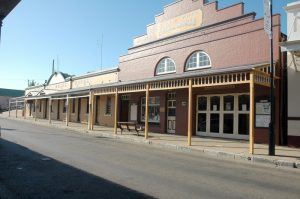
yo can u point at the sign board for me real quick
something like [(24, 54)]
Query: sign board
[(133, 112), (267, 18), (263, 114), (179, 24), (262, 121)]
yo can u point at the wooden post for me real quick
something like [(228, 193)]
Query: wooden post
[(91, 111), (116, 112), (92, 107), (147, 112), (9, 108), (251, 122), (16, 108), (35, 111), (49, 110), (67, 110), (190, 113)]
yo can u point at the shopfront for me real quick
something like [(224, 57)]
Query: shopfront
[(224, 115)]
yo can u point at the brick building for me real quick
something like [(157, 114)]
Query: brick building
[(198, 71)]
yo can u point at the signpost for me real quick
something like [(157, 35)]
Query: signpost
[(268, 26)]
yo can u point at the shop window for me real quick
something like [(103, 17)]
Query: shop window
[(215, 103), (108, 106), (202, 103), (154, 105), (244, 103), (198, 60), (165, 66), (228, 103)]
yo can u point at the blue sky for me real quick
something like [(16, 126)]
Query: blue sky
[(70, 31)]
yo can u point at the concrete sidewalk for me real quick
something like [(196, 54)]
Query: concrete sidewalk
[(222, 148)]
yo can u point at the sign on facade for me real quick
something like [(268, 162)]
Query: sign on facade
[(263, 114), (267, 17)]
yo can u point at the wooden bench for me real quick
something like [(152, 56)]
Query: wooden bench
[(130, 126)]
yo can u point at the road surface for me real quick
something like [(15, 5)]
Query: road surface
[(45, 162)]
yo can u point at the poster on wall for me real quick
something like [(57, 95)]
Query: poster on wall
[(133, 112), (262, 114)]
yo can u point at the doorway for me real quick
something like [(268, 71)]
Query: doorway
[(171, 113), (124, 110)]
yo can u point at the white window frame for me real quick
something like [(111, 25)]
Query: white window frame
[(235, 112), (198, 61), (144, 105), (165, 66)]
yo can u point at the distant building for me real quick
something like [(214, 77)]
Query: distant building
[(292, 46), (6, 6), (6, 94)]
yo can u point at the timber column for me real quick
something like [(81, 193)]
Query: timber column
[(190, 113), (91, 111), (67, 110), (49, 110), (147, 112), (35, 109), (116, 112)]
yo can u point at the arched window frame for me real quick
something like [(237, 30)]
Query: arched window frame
[(197, 61), (165, 59)]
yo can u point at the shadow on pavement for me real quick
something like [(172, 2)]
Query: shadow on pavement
[(27, 174)]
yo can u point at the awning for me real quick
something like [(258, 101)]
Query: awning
[(290, 46)]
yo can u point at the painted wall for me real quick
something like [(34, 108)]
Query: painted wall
[(293, 29)]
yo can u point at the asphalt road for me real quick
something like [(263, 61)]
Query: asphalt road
[(43, 162)]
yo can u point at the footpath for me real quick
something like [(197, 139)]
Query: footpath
[(285, 157)]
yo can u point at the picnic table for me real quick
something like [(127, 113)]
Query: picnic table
[(130, 126)]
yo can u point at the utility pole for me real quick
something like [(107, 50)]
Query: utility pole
[(268, 13), (272, 123)]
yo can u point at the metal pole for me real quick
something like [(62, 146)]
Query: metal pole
[(272, 122)]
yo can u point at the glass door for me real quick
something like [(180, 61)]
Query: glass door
[(215, 114), (202, 114)]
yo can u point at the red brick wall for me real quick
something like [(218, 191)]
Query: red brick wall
[(241, 41)]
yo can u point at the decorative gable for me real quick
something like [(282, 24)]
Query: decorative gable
[(186, 15)]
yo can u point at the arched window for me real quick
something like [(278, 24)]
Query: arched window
[(166, 65), (198, 60)]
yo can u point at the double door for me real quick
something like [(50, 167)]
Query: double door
[(223, 115)]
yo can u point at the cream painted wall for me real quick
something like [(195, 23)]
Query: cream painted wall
[(293, 33)]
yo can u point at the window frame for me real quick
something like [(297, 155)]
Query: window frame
[(198, 61), (150, 105), (165, 67)]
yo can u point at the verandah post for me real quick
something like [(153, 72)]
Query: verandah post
[(190, 113), (147, 112), (116, 112), (67, 111), (35, 110), (49, 110)]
